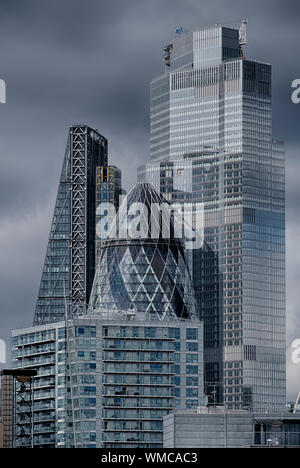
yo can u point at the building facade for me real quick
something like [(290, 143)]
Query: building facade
[(108, 381), (86, 181), (69, 266), (143, 271), (216, 428), (39, 348), (212, 142), (107, 378), (17, 408), (7, 410), (108, 192)]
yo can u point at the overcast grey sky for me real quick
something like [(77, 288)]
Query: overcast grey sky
[(91, 61)]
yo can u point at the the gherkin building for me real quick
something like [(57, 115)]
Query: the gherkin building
[(146, 275)]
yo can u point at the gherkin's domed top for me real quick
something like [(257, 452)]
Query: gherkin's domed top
[(143, 192), (146, 276)]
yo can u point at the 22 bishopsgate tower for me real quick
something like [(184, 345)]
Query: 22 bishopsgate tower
[(212, 143)]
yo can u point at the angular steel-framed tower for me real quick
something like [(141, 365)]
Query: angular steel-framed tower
[(69, 266)]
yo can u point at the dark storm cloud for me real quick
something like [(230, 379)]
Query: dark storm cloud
[(90, 61)]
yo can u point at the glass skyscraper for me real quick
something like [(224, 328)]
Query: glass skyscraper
[(146, 275), (212, 142), (107, 378), (108, 191), (86, 181)]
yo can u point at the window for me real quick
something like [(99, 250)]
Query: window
[(192, 358), (155, 379), (61, 333), (177, 345), (176, 380), (89, 389), (192, 392), (192, 370), (191, 333), (174, 333), (191, 403), (156, 367), (150, 332), (192, 381), (192, 347)]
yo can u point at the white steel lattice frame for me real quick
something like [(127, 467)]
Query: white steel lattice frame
[(78, 244)]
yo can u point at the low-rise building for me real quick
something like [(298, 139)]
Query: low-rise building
[(214, 427), (109, 381)]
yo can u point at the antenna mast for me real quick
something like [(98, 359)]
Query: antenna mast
[(243, 36)]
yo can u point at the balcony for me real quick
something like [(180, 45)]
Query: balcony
[(138, 360), (138, 372), (134, 384)]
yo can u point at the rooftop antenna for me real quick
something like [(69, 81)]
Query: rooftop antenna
[(243, 36), (243, 32)]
